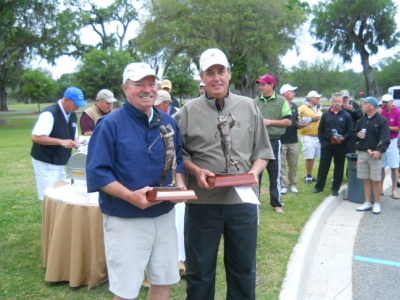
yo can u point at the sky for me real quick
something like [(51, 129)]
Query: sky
[(303, 43)]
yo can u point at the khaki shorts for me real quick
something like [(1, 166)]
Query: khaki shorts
[(368, 168), (138, 245)]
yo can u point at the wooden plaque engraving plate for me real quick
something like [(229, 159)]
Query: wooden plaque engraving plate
[(167, 195)]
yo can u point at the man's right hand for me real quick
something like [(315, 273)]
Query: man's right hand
[(201, 176), (69, 144), (138, 198)]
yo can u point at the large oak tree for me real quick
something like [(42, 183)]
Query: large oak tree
[(252, 33), (350, 27), (120, 13), (31, 28)]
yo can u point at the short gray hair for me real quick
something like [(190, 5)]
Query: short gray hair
[(336, 94)]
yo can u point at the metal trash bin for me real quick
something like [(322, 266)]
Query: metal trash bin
[(355, 186)]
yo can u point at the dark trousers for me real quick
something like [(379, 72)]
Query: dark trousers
[(338, 152), (274, 173), (204, 226)]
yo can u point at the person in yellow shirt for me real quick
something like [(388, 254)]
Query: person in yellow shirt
[(310, 114)]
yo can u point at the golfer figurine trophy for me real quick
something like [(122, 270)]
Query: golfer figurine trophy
[(171, 191), (227, 177)]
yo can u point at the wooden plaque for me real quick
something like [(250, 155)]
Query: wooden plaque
[(231, 180), (167, 195)]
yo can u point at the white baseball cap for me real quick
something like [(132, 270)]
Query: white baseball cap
[(162, 96), (106, 95), (387, 98), (212, 57), (137, 71), (345, 93), (313, 94), (287, 87)]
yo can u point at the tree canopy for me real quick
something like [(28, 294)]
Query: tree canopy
[(349, 27), (102, 69), (89, 14), (181, 76), (37, 85), (252, 33), (29, 28), (388, 72), (325, 76)]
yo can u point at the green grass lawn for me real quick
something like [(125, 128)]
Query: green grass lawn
[(21, 266)]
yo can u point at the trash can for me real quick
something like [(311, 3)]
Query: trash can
[(355, 187)]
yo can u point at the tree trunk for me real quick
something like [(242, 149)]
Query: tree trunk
[(371, 88), (3, 99), (246, 88)]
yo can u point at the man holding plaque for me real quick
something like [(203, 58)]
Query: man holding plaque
[(220, 211), (125, 161), (277, 116)]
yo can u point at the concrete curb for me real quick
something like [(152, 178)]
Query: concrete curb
[(298, 269)]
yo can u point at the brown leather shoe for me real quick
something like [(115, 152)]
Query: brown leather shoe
[(279, 210)]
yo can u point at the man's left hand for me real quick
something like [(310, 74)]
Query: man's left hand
[(256, 178)]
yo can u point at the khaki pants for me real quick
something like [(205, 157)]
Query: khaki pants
[(289, 153)]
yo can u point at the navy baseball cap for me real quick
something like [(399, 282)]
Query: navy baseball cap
[(371, 100), (76, 95)]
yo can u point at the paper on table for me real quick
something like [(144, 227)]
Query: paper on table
[(246, 194)]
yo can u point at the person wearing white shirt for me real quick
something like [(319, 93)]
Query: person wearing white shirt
[(54, 135)]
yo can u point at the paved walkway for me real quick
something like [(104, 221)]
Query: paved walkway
[(376, 264), (344, 254)]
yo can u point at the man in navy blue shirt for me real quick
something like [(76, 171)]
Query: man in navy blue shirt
[(125, 160), (334, 130)]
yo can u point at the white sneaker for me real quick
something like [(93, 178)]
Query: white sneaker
[(376, 209), (364, 207), (294, 190), (284, 191)]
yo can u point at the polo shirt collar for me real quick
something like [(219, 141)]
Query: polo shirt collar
[(154, 118), (66, 116), (273, 96), (211, 101)]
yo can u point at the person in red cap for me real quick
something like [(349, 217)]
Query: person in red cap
[(277, 115)]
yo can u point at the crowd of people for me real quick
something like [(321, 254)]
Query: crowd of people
[(140, 236)]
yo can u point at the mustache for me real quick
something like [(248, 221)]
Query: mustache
[(146, 95)]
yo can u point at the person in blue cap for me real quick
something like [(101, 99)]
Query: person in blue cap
[(373, 138), (54, 135)]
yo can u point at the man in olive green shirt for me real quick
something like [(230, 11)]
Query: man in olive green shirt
[(220, 211), (277, 115)]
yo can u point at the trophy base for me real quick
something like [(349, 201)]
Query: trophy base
[(231, 179), (167, 193)]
